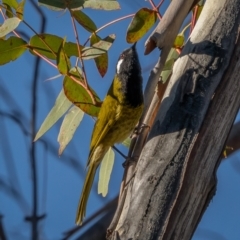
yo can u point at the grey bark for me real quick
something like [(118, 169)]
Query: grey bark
[(163, 37), (175, 176)]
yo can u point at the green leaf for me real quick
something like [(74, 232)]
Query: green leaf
[(69, 125), (92, 52), (20, 9), (11, 49), (78, 95), (71, 49), (102, 4), (169, 64), (11, 3), (167, 70), (63, 61), (9, 25), (142, 21), (98, 48), (45, 44), (179, 41), (84, 20), (105, 172), (101, 61), (127, 142), (62, 104), (57, 5), (9, 11), (53, 42)]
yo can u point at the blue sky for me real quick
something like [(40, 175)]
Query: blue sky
[(60, 182)]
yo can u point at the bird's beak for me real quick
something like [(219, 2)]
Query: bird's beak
[(134, 45)]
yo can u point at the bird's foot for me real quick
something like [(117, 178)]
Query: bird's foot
[(137, 130)]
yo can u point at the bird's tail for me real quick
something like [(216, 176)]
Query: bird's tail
[(85, 193)]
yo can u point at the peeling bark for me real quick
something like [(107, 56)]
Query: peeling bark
[(175, 176)]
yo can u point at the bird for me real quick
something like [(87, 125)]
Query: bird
[(120, 112)]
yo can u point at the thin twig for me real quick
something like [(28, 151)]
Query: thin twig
[(81, 61), (79, 50), (160, 4), (194, 18), (44, 58), (156, 8), (35, 218), (110, 23), (114, 21), (2, 230), (118, 151), (102, 210), (70, 76)]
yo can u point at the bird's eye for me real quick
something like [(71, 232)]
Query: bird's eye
[(122, 56)]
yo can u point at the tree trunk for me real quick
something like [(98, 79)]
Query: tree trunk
[(175, 175)]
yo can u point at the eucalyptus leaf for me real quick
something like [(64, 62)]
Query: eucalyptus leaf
[(9, 25), (58, 5), (101, 61), (11, 3), (105, 172), (11, 49), (62, 104), (63, 62), (142, 21), (84, 20), (78, 94), (127, 142), (49, 44), (167, 70), (69, 126)]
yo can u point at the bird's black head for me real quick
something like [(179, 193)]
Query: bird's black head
[(128, 61), (129, 73)]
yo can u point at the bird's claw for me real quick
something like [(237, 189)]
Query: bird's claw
[(137, 130)]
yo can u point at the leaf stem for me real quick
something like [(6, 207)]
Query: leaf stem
[(160, 4), (156, 8), (110, 23), (44, 58), (114, 21), (81, 60), (70, 76), (194, 18)]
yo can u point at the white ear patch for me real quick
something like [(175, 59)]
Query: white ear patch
[(119, 65)]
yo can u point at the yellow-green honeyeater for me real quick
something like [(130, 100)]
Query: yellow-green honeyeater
[(119, 114)]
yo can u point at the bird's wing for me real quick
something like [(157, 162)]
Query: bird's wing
[(106, 120)]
